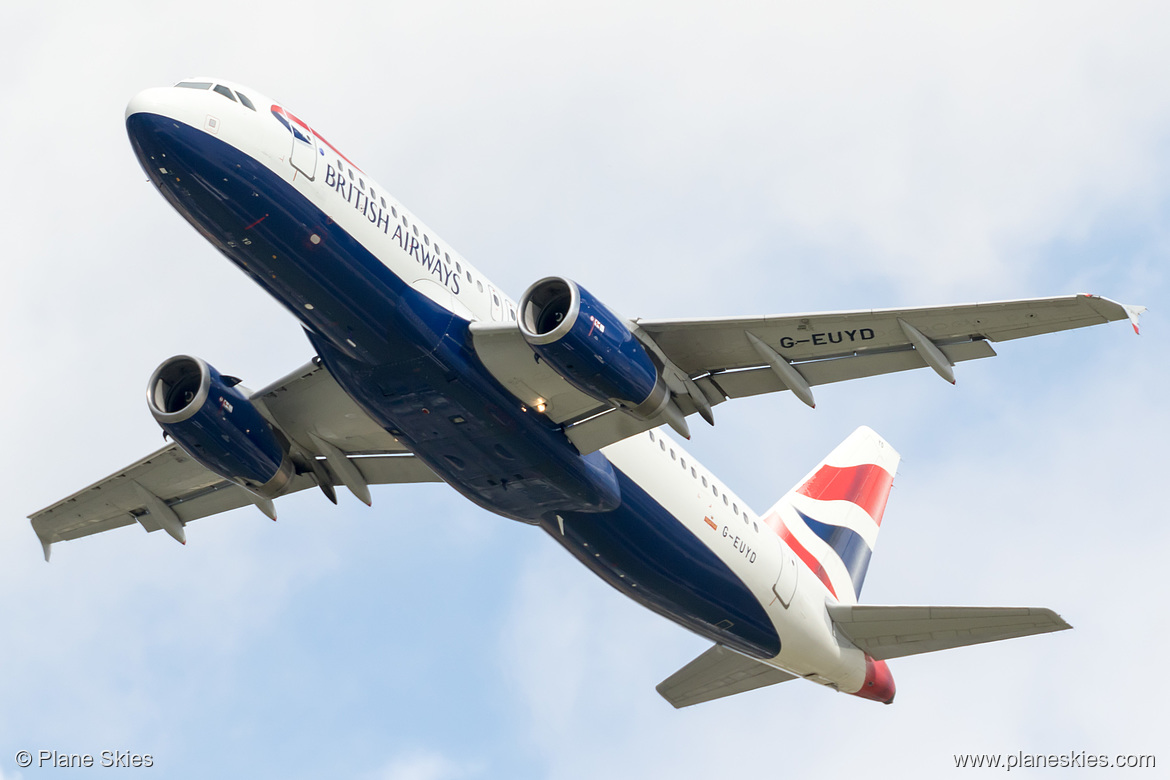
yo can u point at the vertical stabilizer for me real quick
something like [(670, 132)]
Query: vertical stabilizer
[(831, 518)]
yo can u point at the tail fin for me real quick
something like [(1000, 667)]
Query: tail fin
[(832, 517)]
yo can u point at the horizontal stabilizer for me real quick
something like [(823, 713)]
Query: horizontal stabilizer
[(717, 673), (892, 632)]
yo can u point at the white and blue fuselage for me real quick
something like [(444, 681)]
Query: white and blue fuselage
[(387, 306)]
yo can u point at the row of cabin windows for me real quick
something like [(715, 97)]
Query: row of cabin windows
[(426, 239), (703, 479)]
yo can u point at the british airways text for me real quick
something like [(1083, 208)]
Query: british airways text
[(381, 217)]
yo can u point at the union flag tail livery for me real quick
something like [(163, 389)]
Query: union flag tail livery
[(547, 410), (832, 517)]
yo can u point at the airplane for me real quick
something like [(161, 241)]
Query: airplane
[(547, 411)]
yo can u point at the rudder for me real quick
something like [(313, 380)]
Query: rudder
[(831, 518)]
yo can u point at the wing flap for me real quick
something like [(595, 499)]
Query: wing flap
[(717, 673), (755, 381), (604, 429), (886, 632)]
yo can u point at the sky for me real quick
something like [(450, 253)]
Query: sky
[(680, 160)]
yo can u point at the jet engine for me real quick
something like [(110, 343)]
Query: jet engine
[(215, 424), (591, 347)]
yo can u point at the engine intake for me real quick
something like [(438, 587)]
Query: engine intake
[(215, 424), (590, 346)]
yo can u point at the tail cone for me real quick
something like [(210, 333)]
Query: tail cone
[(879, 683)]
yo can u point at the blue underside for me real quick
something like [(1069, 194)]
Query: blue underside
[(414, 371)]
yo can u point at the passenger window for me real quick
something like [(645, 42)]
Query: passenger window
[(227, 93), (479, 285), (394, 211), (244, 99), (662, 444), (426, 240), (415, 229), (362, 183), (469, 277), (704, 482)]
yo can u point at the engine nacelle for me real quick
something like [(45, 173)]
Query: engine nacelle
[(590, 347), (216, 425)]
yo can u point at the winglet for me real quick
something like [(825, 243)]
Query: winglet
[(1129, 310), (1135, 313), (47, 546)]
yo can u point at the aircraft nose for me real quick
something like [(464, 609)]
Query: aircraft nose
[(155, 100)]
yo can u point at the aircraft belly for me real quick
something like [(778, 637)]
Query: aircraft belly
[(641, 549)]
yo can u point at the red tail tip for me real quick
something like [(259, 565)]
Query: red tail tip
[(879, 682)]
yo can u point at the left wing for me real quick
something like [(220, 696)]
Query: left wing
[(167, 489), (708, 361)]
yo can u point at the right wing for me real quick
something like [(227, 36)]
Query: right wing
[(713, 360), (717, 673), (167, 489)]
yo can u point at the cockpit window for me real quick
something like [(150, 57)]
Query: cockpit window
[(194, 84), (244, 99), (227, 93)]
